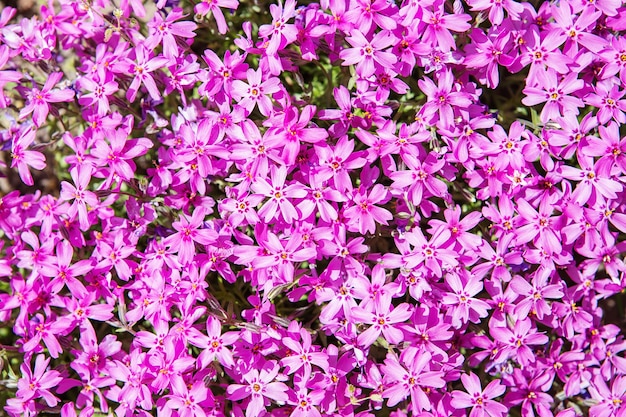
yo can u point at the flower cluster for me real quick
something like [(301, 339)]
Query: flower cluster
[(343, 208)]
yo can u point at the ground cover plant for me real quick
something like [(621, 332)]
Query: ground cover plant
[(338, 208)]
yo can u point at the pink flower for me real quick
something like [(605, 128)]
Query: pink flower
[(609, 400), (213, 6), (364, 212), (382, 319), (165, 31), (38, 99), (23, 158), (441, 99), (439, 25), (366, 54), (481, 401), (260, 387), (255, 91), (496, 10), (188, 401), (535, 295), (294, 129), (6, 76), (407, 377), (608, 99), (119, 155), (38, 382), (517, 342), (79, 192), (279, 194), (280, 32), (546, 87), (463, 306), (144, 63), (189, 231), (303, 355)]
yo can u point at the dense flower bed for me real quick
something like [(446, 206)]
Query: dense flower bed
[(342, 208)]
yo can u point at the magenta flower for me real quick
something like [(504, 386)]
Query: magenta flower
[(166, 30), (578, 31), (366, 54), (481, 401), (609, 400), (188, 401), (294, 129), (439, 25), (365, 13), (419, 179), (463, 306), (594, 180), (255, 91), (115, 255), (498, 259), (6, 76), (517, 342), (83, 198), (100, 87), (610, 147), (38, 100), (608, 99), (364, 212), (539, 226), (303, 355), (140, 68), (432, 254), (279, 195), (213, 6), (496, 11), (223, 73), (376, 292), (336, 163), (408, 377), (441, 99), (259, 388), (614, 55), (541, 53), (545, 87), (119, 154), (23, 158), (383, 319), (280, 32), (487, 53), (535, 294), (216, 344), (46, 331), (189, 231), (530, 391), (38, 382)]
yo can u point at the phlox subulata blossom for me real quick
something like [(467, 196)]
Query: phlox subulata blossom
[(302, 208)]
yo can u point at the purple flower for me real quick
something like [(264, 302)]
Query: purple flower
[(260, 386), (37, 382), (255, 91), (79, 192), (38, 99), (188, 231), (481, 401), (367, 53), (213, 6), (407, 377), (23, 158), (516, 342), (140, 68), (545, 87), (441, 99)]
